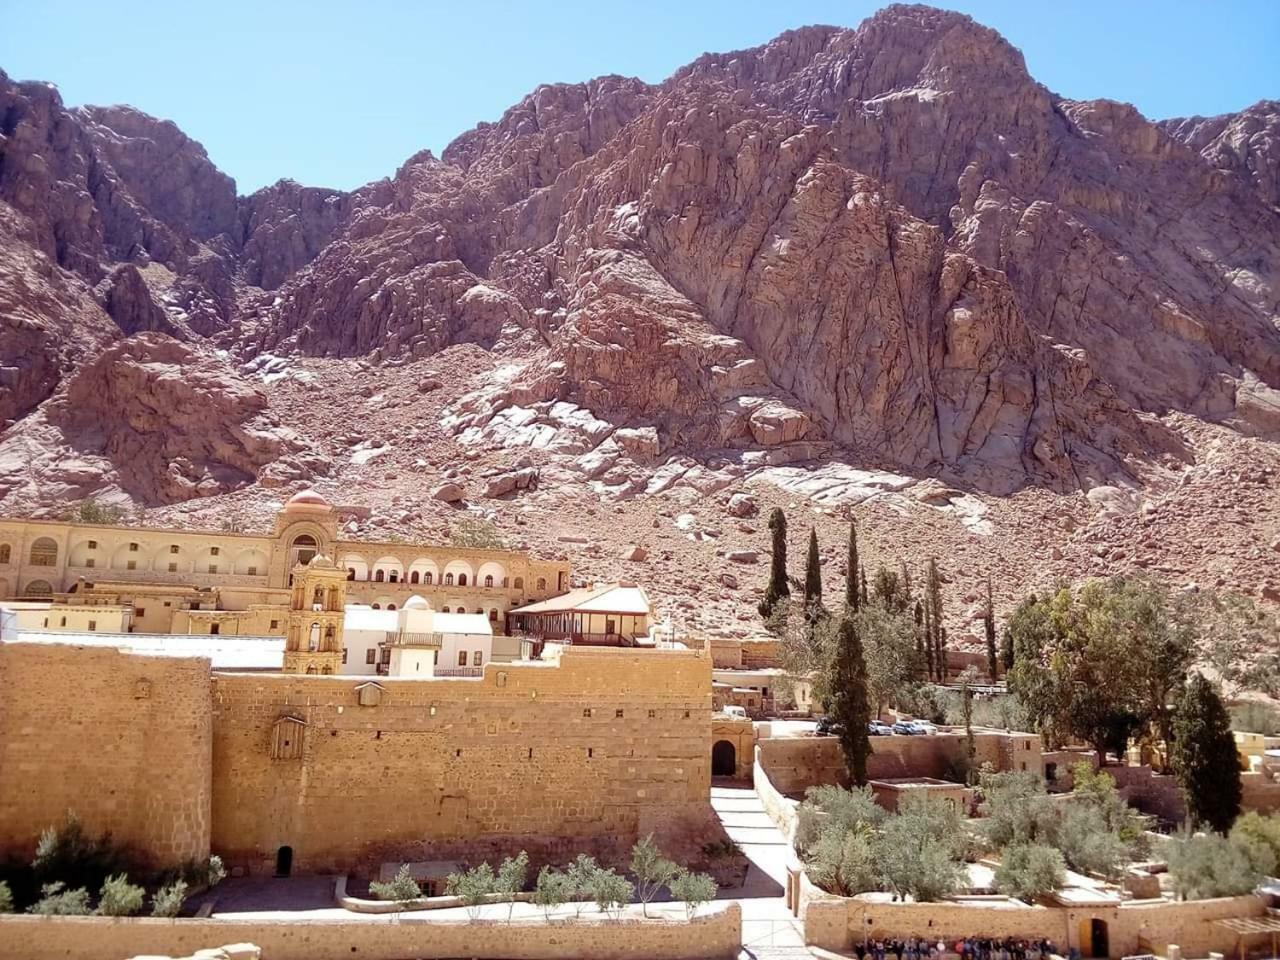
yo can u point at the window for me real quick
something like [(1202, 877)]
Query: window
[(542, 583), (275, 624), (213, 568), (480, 610), (445, 610), (590, 752), (462, 579), (448, 579), (63, 623), (93, 624), (488, 580), (139, 612), (213, 551), (504, 583), (378, 606), (88, 561), (413, 576), (252, 571), (653, 714), (493, 616), (351, 573), (173, 568), (5, 553), (344, 655), (133, 548), (391, 606), (394, 576), (519, 583), (370, 655), (462, 658), (93, 544), (379, 575), (587, 713), (215, 628), (44, 553), (46, 621), (427, 578), (131, 565), (173, 548), (475, 658), (617, 714)]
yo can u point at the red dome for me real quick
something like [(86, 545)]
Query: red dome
[(307, 498)]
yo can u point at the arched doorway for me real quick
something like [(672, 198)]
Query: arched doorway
[(284, 861), (724, 759)]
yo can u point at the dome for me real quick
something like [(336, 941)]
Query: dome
[(306, 500), (416, 603), (320, 560)]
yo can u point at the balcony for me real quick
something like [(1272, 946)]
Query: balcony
[(400, 638)]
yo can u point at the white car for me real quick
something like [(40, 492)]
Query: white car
[(924, 727), (739, 712)]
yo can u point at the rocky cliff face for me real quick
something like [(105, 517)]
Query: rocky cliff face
[(886, 246)]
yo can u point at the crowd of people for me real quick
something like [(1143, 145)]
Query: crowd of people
[(971, 948)]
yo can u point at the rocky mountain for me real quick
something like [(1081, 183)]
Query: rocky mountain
[(880, 265)]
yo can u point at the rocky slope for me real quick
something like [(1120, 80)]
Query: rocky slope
[(879, 267)]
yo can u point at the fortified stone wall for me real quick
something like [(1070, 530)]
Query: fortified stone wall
[(796, 763), (608, 745), (716, 935), (123, 740), (1139, 927)]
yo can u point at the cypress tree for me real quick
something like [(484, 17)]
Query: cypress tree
[(862, 577), (989, 628), (851, 581), (850, 705), (933, 605), (778, 587), (921, 657), (1007, 654), (812, 574), (940, 659), (1204, 757), (926, 637)]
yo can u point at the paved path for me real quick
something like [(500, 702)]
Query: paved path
[(769, 931)]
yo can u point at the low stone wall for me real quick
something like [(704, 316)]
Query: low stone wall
[(836, 923), (781, 810), (1260, 793), (716, 934)]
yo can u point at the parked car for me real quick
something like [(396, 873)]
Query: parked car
[(829, 728), (905, 728), (734, 711), (878, 728), (924, 727)]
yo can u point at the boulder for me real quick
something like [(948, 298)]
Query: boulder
[(743, 505), (448, 492)]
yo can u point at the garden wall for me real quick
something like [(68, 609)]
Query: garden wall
[(716, 934)]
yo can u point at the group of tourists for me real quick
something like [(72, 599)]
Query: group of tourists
[(971, 948)]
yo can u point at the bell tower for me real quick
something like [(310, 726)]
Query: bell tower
[(317, 600)]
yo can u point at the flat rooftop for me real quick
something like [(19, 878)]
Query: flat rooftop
[(240, 653)]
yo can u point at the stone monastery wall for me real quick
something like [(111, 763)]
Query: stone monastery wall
[(122, 740), (586, 754)]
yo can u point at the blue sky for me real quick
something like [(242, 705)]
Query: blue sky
[(337, 94)]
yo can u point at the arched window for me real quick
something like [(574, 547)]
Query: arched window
[(351, 573), (391, 606), (319, 596), (378, 575), (427, 578), (38, 588), (44, 553), (305, 548), (519, 583), (393, 576), (377, 606), (328, 632), (448, 579), (542, 583), (5, 552), (462, 579), (445, 610), (311, 668), (314, 643), (413, 576), (493, 616), (480, 610), (488, 580), (326, 669)]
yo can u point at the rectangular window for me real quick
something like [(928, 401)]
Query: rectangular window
[(370, 655), (46, 621), (590, 752), (139, 612), (475, 658), (64, 622), (653, 714), (213, 551), (213, 568), (587, 713), (386, 655), (275, 625), (173, 568), (93, 624), (344, 655), (173, 548), (131, 565), (462, 658), (93, 544), (89, 562), (215, 628), (253, 571), (133, 548), (617, 714)]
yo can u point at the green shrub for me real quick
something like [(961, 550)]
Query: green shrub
[(651, 869), (844, 861), (169, 899), (1208, 865), (67, 854), (120, 898), (512, 873), (694, 889), (56, 900), (1016, 810), (1030, 870), (581, 875), (1088, 845), (6, 898), (401, 888), (1259, 829), (611, 892), (473, 887), (553, 889)]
